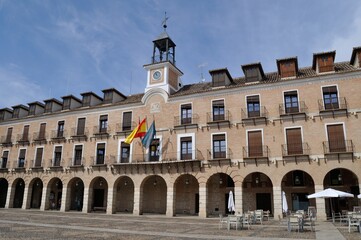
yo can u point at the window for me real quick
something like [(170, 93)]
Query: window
[(103, 123), (218, 79), (336, 138), (255, 148), (66, 103), (291, 102), (42, 131), (294, 141), (4, 159), (219, 146), (57, 156), (78, 155), (124, 152), (25, 136), (108, 97), (32, 109), (38, 157), (16, 112), (218, 110), (298, 178), (252, 75), (186, 114), (127, 121), (186, 148), (81, 127), (9, 135), (100, 153), (22, 154), (336, 177), (253, 106), (330, 98), (154, 150), (48, 107), (60, 130), (86, 100)]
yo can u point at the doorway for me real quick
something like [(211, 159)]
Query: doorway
[(263, 201)]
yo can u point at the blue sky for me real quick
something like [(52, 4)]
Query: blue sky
[(55, 48)]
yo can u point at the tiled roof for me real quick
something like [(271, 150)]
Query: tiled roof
[(272, 77)]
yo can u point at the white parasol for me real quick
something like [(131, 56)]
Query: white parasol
[(231, 207)]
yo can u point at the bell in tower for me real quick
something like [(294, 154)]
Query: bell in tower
[(164, 47), (162, 71)]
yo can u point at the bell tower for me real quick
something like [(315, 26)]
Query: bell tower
[(162, 72)]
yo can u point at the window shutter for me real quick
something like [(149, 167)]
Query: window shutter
[(253, 99), (336, 138), (42, 131), (255, 144), (5, 154), (331, 89), (22, 153), (294, 141), (101, 146), (58, 149), (103, 117), (218, 103), (81, 126)]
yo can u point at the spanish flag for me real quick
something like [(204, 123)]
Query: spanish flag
[(139, 131)]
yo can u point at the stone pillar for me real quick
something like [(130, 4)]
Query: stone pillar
[(26, 199), (202, 201), (238, 201), (44, 199), (110, 201), (10, 197), (277, 202), (170, 202), (86, 202), (65, 199), (137, 202), (320, 204)]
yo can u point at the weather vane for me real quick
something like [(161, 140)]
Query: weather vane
[(164, 23)]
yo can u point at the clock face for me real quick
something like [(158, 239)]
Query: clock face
[(157, 75)]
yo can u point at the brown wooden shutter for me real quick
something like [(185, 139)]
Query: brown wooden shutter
[(218, 103), (81, 127), (219, 137), (294, 141), (127, 121), (39, 156), (8, 135), (255, 144), (26, 133), (5, 154), (42, 131), (253, 99), (336, 138), (331, 89), (101, 146)]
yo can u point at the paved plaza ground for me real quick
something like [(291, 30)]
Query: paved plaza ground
[(34, 224)]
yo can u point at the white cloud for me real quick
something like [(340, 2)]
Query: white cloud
[(19, 89)]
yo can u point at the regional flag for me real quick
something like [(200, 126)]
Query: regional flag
[(147, 140), (139, 131)]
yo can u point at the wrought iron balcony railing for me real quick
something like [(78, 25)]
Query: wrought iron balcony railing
[(286, 109), (295, 149), (214, 118), (332, 104), (224, 154), (335, 147), (182, 121), (56, 134), (261, 151), (260, 113)]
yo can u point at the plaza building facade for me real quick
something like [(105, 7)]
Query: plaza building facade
[(295, 130)]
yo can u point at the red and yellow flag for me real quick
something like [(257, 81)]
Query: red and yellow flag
[(139, 131)]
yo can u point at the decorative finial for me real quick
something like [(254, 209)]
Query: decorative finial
[(164, 23)]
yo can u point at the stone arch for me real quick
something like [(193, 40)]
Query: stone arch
[(186, 199), (297, 185), (345, 180), (257, 188), (4, 184), (123, 195), (17, 195), (54, 194), (218, 187), (35, 192), (98, 194), (75, 194), (152, 92), (153, 195)]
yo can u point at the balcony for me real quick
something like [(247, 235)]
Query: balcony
[(166, 161), (58, 136), (338, 149), (99, 132), (333, 107), (23, 139), (124, 129), (6, 141), (36, 166), (79, 134), (296, 151), (77, 163), (293, 112), (256, 153), (219, 119), (56, 164), (221, 156), (186, 122), (101, 161), (40, 137), (254, 117)]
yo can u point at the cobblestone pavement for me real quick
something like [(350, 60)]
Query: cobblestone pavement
[(34, 224)]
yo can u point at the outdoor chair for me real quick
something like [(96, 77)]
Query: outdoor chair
[(282, 221), (293, 221), (247, 220), (258, 216), (336, 216), (222, 220), (266, 214), (353, 222), (233, 220)]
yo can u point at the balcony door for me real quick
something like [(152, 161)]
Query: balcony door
[(336, 138), (294, 141), (255, 144)]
